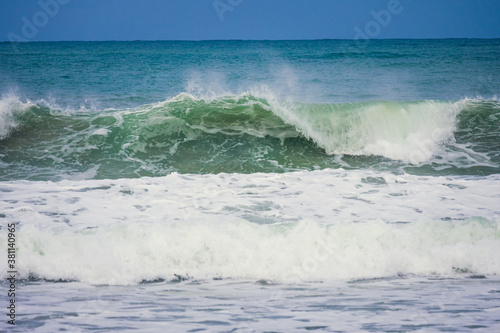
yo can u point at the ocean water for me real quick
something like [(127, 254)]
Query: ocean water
[(252, 186)]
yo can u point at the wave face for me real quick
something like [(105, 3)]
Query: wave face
[(247, 133)]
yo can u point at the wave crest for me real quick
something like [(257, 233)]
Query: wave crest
[(251, 133), (11, 109)]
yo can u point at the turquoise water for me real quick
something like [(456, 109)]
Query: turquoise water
[(253, 185), (134, 109)]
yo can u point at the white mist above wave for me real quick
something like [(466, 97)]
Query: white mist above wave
[(304, 226)]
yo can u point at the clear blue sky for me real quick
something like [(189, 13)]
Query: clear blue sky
[(49, 20)]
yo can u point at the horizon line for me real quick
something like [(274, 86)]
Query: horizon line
[(243, 40)]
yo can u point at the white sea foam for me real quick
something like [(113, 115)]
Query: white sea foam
[(410, 132), (306, 251), (303, 226), (101, 131), (10, 106)]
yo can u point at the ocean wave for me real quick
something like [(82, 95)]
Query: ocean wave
[(129, 254), (11, 109), (260, 226), (254, 133)]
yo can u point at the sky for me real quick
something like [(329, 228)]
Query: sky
[(97, 20)]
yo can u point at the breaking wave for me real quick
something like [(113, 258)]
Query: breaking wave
[(248, 133)]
